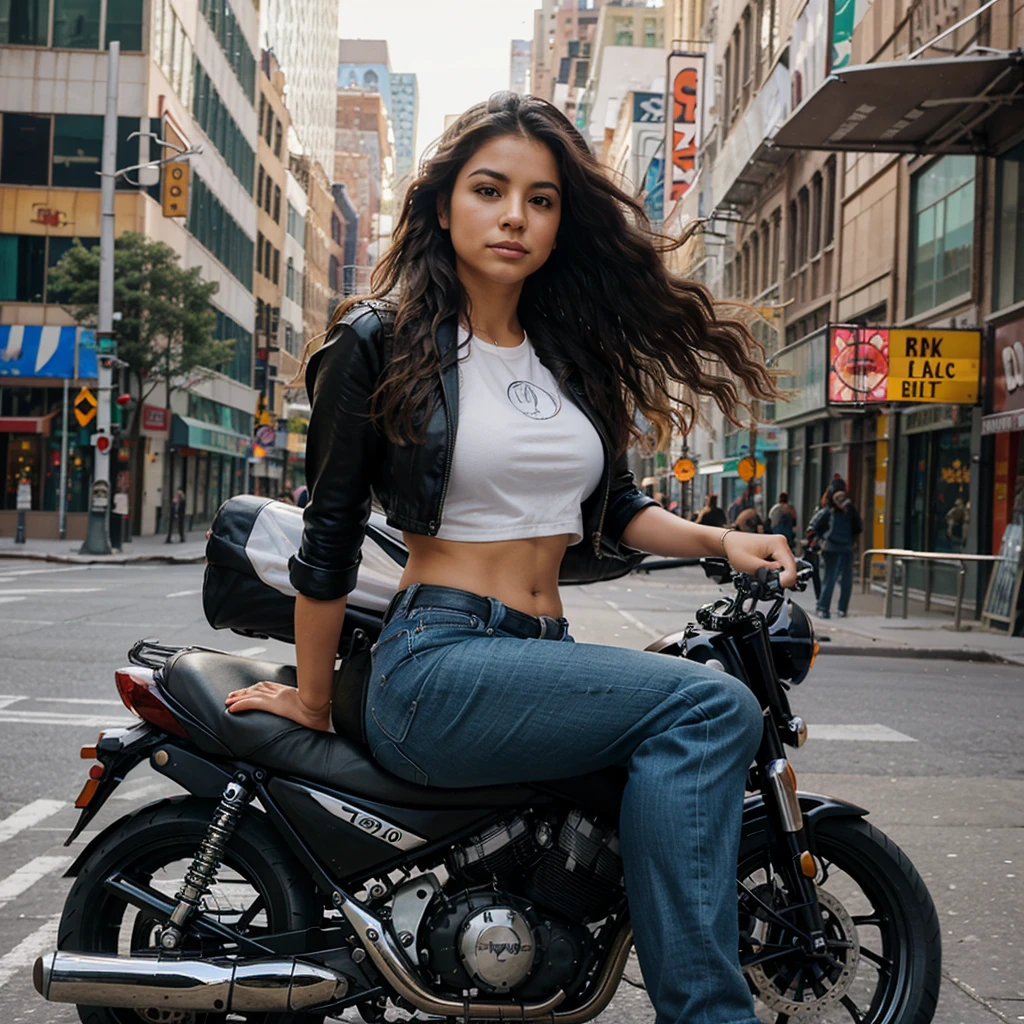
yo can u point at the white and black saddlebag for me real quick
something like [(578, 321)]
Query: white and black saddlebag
[(246, 586)]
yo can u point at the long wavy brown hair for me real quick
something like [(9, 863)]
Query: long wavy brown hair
[(604, 303)]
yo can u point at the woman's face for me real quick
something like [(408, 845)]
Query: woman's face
[(505, 209)]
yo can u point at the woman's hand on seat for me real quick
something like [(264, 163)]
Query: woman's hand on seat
[(280, 700)]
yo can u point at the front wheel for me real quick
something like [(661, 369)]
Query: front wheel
[(259, 889), (884, 947)]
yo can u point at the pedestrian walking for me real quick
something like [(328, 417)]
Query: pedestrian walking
[(485, 394), (711, 514), (177, 517), (837, 524), (782, 519)]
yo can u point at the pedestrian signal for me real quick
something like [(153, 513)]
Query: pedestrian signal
[(174, 195)]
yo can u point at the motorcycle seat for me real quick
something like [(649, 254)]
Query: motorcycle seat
[(196, 683)]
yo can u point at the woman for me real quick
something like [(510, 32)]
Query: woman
[(490, 411), (836, 525)]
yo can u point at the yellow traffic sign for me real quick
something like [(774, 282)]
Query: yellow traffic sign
[(748, 468), (85, 405), (934, 365), (684, 470)]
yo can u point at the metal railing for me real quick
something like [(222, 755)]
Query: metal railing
[(901, 556)]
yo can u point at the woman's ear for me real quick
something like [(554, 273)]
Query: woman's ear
[(442, 212)]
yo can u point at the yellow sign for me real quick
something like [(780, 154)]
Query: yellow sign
[(174, 195), (85, 407), (748, 468), (684, 470), (934, 365)]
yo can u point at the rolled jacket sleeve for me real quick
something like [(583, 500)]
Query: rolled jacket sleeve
[(625, 502), (342, 453)]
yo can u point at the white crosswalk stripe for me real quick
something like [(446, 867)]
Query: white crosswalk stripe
[(27, 875), (24, 954), (55, 718), (28, 816)]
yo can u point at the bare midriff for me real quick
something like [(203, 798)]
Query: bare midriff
[(522, 574)]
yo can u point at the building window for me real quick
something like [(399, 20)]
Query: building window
[(623, 29), (259, 185), (221, 19), (124, 23), (755, 263), (276, 276), (728, 280), (212, 115), (802, 232), (22, 268), (791, 246), (219, 232), (767, 273), (942, 232), (748, 41), (817, 187), (76, 24), (24, 22), (289, 279), (259, 252), (1009, 280), (830, 202), (773, 276), (277, 204), (77, 150), (651, 32), (26, 150), (278, 136), (267, 250), (296, 224), (726, 89)]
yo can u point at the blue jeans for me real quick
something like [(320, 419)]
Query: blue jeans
[(455, 702), (838, 566)]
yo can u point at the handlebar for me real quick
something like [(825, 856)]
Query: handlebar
[(764, 585)]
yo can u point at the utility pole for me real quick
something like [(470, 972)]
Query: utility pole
[(97, 538)]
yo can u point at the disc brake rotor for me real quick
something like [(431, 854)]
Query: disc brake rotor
[(839, 927)]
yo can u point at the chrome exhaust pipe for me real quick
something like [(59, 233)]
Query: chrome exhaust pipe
[(218, 986)]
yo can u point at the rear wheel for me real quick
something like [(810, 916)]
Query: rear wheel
[(259, 889), (881, 927)]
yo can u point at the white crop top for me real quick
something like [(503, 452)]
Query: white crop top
[(525, 455)]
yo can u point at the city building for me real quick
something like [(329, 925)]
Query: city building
[(189, 74), (519, 66), (866, 221), (542, 49), (405, 108), (364, 161), (305, 44)]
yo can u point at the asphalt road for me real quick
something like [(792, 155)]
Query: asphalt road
[(931, 748)]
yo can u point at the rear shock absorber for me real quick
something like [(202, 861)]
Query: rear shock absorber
[(202, 872)]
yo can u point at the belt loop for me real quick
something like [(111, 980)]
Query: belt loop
[(497, 614), (402, 600)]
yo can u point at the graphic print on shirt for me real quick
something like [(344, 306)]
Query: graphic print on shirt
[(533, 401)]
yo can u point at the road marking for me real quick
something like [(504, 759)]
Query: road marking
[(59, 590), (26, 876), (25, 622), (74, 700), (53, 718), (185, 593), (249, 652), (28, 816), (6, 702), (633, 620), (24, 954), (860, 733), (10, 600), (40, 572)]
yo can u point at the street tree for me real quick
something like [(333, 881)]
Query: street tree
[(165, 333)]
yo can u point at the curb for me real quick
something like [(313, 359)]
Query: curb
[(930, 653), (40, 556)]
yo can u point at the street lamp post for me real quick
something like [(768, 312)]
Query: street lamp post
[(97, 538)]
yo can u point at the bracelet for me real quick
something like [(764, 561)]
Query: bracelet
[(725, 533)]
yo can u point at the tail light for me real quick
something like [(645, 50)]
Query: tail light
[(141, 696)]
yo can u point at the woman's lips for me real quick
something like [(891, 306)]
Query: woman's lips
[(507, 252)]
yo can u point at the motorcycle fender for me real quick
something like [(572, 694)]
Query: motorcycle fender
[(702, 647), (814, 806)]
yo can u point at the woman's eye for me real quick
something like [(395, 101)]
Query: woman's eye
[(544, 200), (487, 190)]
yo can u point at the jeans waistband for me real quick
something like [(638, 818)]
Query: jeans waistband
[(527, 627)]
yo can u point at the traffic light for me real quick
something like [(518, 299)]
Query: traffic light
[(101, 442), (174, 194)]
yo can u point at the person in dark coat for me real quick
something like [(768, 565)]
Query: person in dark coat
[(836, 525), (711, 514)]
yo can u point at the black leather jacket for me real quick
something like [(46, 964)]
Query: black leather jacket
[(348, 457)]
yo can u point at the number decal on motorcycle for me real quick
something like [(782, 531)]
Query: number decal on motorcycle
[(368, 823)]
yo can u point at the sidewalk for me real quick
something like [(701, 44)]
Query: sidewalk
[(866, 631), (139, 549)]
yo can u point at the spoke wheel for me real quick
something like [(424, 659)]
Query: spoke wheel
[(884, 954), (259, 889)]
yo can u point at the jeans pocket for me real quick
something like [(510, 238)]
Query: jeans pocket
[(392, 760), (394, 689)]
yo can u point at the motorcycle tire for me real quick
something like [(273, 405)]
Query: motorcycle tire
[(169, 833), (898, 938)]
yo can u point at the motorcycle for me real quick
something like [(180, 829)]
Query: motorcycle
[(294, 878)]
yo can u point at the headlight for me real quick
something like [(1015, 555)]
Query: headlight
[(792, 642)]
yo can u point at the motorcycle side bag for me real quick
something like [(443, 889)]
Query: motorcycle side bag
[(246, 587)]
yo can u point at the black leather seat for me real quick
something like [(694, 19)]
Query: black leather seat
[(198, 681)]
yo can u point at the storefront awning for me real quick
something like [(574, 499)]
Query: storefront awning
[(26, 424), (189, 433), (27, 351), (968, 104)]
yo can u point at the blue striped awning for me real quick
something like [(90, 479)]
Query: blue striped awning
[(29, 351)]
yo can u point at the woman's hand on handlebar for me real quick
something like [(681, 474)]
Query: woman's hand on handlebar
[(281, 700), (748, 552)]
